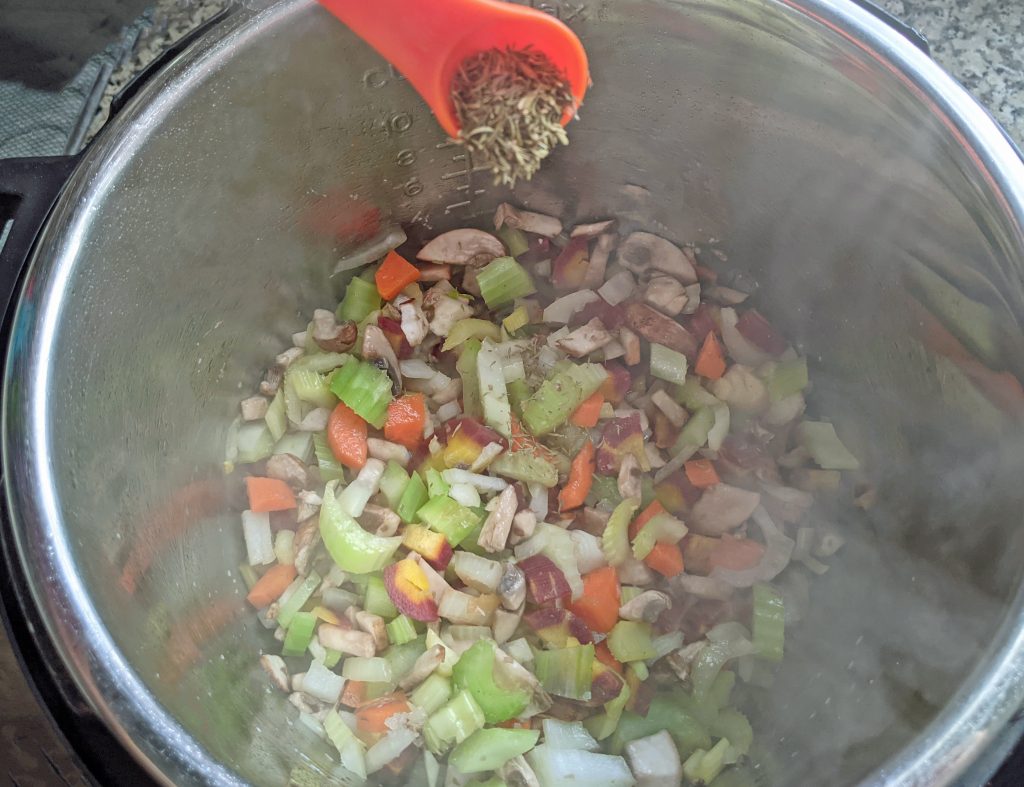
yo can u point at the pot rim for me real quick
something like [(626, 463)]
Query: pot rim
[(939, 754)]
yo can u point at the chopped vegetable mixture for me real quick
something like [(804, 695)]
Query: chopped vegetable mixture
[(518, 509)]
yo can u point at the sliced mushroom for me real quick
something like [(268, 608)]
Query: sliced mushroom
[(254, 408), (726, 296), (592, 520), (526, 220), (307, 536), (603, 248), (275, 667), (308, 505), (377, 346), (618, 288), (722, 508), (271, 381), (523, 525), (462, 247), (741, 389), (585, 339), (414, 323), (676, 415), (666, 295), (330, 335), (422, 668), (648, 606), (374, 626), (655, 327), (348, 641), (379, 520), (681, 660), (590, 230), (644, 251), (692, 299), (495, 532), (385, 450), (432, 272), (512, 587), (288, 468), (518, 773), (630, 346), (289, 356), (506, 623), (629, 477)]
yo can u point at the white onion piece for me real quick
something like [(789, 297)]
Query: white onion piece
[(575, 766), (465, 494), (354, 497), (741, 350), (490, 452), (589, 555), (538, 500), (259, 543), (321, 683), (618, 288), (704, 587), (778, 551), (483, 483), (448, 411), (387, 748), (561, 310), (675, 463), (384, 242), (416, 369)]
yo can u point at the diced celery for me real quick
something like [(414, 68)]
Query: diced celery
[(299, 633), (667, 364), (361, 298), (647, 493), (822, 443), (331, 658), (432, 693), (377, 599), (467, 368), (558, 397), (629, 592), (515, 240), (615, 538), (373, 669), (401, 658), (630, 640), (349, 747), (525, 466), (320, 361), (733, 725), (470, 329), (721, 689), (255, 442), (297, 599), (311, 387), (276, 418), (566, 672), (474, 672), (351, 547), (298, 444), (606, 488), (703, 766), (518, 392), (638, 670), (664, 713), (459, 718), (375, 689), (436, 485), (660, 529), (413, 497), (293, 407), (493, 389), (769, 621), (488, 750), (330, 468), (445, 516), (786, 378), (720, 428), (519, 318), (707, 665), (503, 280), (401, 630), (666, 643), (364, 388), (693, 396), (604, 724), (695, 431), (393, 483)]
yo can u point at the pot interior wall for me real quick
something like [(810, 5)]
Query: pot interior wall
[(210, 219)]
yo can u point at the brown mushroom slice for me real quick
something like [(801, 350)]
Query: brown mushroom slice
[(462, 247), (594, 277), (644, 251), (376, 345), (666, 295), (331, 335), (512, 586), (288, 468), (374, 626), (630, 346), (275, 667), (254, 408), (494, 534), (379, 520), (585, 339), (656, 328), (722, 508), (648, 606), (724, 296), (526, 220), (518, 773), (347, 641)]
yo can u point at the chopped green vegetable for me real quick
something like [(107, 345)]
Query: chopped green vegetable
[(393, 483), (298, 444), (630, 640), (299, 634), (475, 672), (276, 418), (525, 466), (361, 298), (402, 658), (824, 446), (487, 750), (470, 329), (515, 240), (436, 485), (467, 368), (330, 468), (615, 539), (667, 364), (787, 378), (664, 714), (493, 389), (413, 497), (318, 361), (605, 488), (503, 280), (377, 600), (558, 397), (769, 621), (451, 519), (364, 388), (349, 747), (400, 630), (694, 433), (703, 766), (604, 724), (693, 396), (254, 442), (660, 529), (566, 672), (331, 658), (297, 599), (518, 392), (733, 725), (720, 428), (311, 387), (351, 547), (453, 723), (432, 693), (516, 320), (372, 669)]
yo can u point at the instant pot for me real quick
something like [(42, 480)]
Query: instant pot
[(811, 143)]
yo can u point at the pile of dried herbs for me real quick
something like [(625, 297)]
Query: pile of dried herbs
[(510, 104)]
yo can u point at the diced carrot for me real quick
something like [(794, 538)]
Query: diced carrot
[(371, 716), (516, 724), (346, 435), (598, 606), (354, 693), (269, 494), (666, 559), (271, 585), (735, 554), (644, 517), (586, 414), (406, 418), (604, 655), (710, 360), (581, 476), (394, 275), (701, 473)]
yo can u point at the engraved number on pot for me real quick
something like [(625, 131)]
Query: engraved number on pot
[(405, 157), (400, 122), (376, 78), (566, 10), (412, 187)]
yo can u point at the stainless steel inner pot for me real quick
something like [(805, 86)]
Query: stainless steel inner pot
[(831, 160)]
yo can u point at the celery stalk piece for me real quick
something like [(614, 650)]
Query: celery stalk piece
[(451, 519), (436, 485), (769, 621), (299, 634), (393, 483), (467, 368), (400, 630), (311, 387), (413, 497), (703, 766), (377, 599), (732, 724), (566, 672), (660, 529), (720, 428), (297, 599), (787, 378), (255, 442), (351, 547), (320, 361), (276, 418), (707, 665), (471, 328), (432, 693), (401, 658), (503, 280), (488, 750), (824, 446), (631, 641), (557, 398), (364, 388), (668, 364), (330, 468), (474, 672), (248, 574), (298, 444), (515, 240), (665, 713), (519, 318), (373, 669), (525, 466), (615, 538), (348, 745), (558, 767), (694, 433), (604, 724), (361, 298), (493, 391), (459, 718), (693, 396), (518, 392)]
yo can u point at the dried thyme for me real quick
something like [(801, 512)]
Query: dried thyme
[(510, 104)]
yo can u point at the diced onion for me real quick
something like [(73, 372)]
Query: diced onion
[(618, 288), (416, 369), (259, 544), (388, 748), (561, 310), (465, 494)]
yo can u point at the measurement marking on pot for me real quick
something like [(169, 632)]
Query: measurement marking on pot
[(466, 171)]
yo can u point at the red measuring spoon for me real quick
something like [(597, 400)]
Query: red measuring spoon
[(426, 40)]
